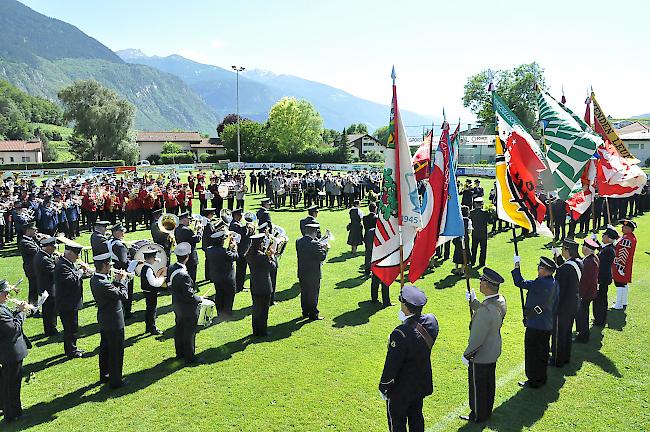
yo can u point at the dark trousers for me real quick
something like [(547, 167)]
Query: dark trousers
[(73, 229), (240, 273), (559, 228), (481, 378), (561, 339), (476, 242), (600, 305), (536, 349), (309, 290), (274, 278), (32, 294), (367, 253), (260, 314), (374, 291), (582, 321), (401, 413), (224, 297), (151, 312), (191, 269), (12, 375), (111, 356), (185, 337), (128, 303), (131, 220), (70, 322), (49, 316)]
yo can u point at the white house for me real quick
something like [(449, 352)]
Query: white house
[(21, 151), (361, 144), (638, 143), (151, 143)]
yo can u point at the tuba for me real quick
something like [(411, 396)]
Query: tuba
[(167, 223), (226, 216)]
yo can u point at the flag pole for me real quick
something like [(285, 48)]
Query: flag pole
[(466, 271), (521, 291), (398, 180), (548, 199)]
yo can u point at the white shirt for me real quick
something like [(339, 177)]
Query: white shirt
[(154, 281)]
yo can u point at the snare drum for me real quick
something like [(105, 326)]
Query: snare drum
[(207, 312)]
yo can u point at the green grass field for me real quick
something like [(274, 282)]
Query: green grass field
[(323, 376)]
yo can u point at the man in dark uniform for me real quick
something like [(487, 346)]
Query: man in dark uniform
[(558, 212), (13, 349), (222, 272), (109, 296), (477, 191), (44, 264), (119, 254), (480, 219), (186, 304), (588, 288), (261, 265), (206, 241), (539, 312), (150, 284), (240, 226), (28, 247), (263, 214), (183, 234), (568, 277), (606, 259), (98, 240), (69, 297), (467, 194), (369, 225), (311, 255), (407, 379), (484, 346), (312, 214), (158, 236)]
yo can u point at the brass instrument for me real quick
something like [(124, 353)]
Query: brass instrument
[(326, 239), (28, 307), (125, 275), (168, 223), (277, 242), (85, 267), (226, 216)]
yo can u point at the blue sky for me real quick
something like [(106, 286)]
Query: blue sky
[(434, 45)]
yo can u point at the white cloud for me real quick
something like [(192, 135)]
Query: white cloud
[(217, 44)]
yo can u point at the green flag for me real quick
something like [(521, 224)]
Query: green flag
[(569, 141)]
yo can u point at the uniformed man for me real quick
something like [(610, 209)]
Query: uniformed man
[(206, 241), (222, 272), (109, 296), (28, 247), (369, 226), (261, 265), (312, 214), (568, 277), (158, 236), (150, 283), (98, 239), (623, 263), (484, 347), (606, 259), (588, 288), (183, 234), (13, 349), (240, 226), (44, 264), (407, 379), (119, 254), (263, 214), (186, 304), (480, 219), (539, 314), (69, 297), (311, 255)]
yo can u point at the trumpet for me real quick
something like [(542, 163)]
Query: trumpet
[(27, 307), (124, 275), (87, 271), (326, 239)]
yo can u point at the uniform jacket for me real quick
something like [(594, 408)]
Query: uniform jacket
[(221, 263), (308, 220), (589, 280), (606, 258), (263, 215), (69, 286), (98, 243), (485, 330), (245, 240), (311, 255), (28, 249), (208, 230), (568, 280), (184, 299), (44, 264), (185, 234), (624, 258), (160, 237), (120, 255), (543, 295), (108, 298), (407, 369), (480, 219), (13, 342), (261, 267)]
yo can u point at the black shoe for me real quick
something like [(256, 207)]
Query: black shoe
[(316, 318), (77, 354), (120, 385), (104, 379), (52, 333), (155, 332), (385, 305), (464, 417)]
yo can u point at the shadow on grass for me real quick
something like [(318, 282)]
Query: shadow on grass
[(616, 319), (352, 282), (345, 256), (9, 252), (359, 316), (528, 406)]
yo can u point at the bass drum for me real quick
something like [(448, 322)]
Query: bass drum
[(161, 257)]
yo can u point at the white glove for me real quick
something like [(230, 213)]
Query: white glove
[(594, 236), (383, 396), (555, 251), (517, 259), (470, 296), (464, 360)]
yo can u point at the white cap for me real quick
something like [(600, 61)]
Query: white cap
[(264, 225), (48, 241), (102, 257), (183, 249)]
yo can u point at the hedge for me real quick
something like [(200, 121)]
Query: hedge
[(57, 165), (176, 158)]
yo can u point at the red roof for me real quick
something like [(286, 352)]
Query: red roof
[(168, 136), (18, 146)]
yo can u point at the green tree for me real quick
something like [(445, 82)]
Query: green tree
[(373, 156), (517, 88), (357, 129), (331, 136), (171, 147), (343, 148), (382, 135), (294, 125), (50, 153), (255, 144), (100, 116)]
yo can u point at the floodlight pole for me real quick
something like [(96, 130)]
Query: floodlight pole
[(238, 69)]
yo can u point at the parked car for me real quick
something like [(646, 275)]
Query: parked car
[(143, 163)]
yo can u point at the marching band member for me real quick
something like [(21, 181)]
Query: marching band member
[(120, 257), (587, 289), (13, 350), (240, 193), (150, 284), (623, 263), (261, 286), (44, 264), (312, 214), (355, 228), (186, 304), (200, 190), (240, 226), (98, 240), (311, 255), (220, 260), (265, 229), (171, 201), (183, 234), (158, 236), (72, 215), (206, 240), (606, 259), (263, 214), (109, 296), (29, 247)]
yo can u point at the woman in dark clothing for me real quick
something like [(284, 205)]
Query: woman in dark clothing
[(261, 265), (355, 236), (458, 243)]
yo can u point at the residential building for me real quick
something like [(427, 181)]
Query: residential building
[(477, 145), (151, 143), (361, 144), (21, 151), (639, 144)]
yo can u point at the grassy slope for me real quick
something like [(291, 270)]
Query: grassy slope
[(322, 376), (62, 146)]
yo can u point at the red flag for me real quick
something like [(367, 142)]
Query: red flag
[(617, 178), (422, 157), (434, 203), (579, 202)]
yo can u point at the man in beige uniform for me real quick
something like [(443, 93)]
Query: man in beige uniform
[(484, 347)]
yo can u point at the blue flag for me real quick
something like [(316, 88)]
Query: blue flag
[(453, 225)]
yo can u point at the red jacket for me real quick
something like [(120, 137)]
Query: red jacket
[(589, 279), (624, 258)]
